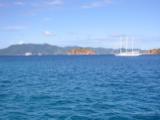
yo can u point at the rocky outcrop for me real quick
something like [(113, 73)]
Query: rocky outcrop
[(81, 51), (154, 51)]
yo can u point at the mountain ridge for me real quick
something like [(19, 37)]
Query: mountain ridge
[(47, 49)]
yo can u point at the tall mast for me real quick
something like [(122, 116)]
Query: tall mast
[(132, 44), (121, 44), (126, 44)]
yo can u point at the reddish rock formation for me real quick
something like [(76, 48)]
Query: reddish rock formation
[(154, 51), (81, 52)]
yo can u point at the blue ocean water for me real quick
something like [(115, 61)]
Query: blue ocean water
[(80, 88)]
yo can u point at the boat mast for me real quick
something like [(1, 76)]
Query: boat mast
[(121, 44), (126, 44), (132, 45)]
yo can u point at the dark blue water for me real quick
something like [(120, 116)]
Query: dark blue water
[(80, 88)]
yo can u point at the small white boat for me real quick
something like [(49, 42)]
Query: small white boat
[(28, 54)]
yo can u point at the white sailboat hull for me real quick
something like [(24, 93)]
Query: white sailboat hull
[(129, 54)]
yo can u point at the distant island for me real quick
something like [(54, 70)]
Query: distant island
[(81, 51), (47, 49), (154, 51)]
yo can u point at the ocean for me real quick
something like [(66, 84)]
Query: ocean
[(80, 88)]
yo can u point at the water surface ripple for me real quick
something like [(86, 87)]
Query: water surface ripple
[(80, 88)]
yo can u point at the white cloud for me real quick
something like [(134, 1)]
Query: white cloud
[(55, 2), (11, 4), (47, 33), (97, 4), (47, 19), (19, 3), (21, 42), (44, 5), (14, 28)]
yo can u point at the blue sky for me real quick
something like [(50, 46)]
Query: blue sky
[(94, 23)]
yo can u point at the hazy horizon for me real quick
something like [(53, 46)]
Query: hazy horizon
[(90, 23)]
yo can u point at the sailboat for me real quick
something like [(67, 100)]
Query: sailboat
[(128, 53)]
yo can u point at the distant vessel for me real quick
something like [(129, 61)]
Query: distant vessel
[(127, 53), (28, 54)]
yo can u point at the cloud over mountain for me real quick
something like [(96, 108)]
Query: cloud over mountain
[(48, 33)]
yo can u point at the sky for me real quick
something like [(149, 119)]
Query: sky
[(87, 23)]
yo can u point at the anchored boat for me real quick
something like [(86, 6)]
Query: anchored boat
[(127, 53)]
